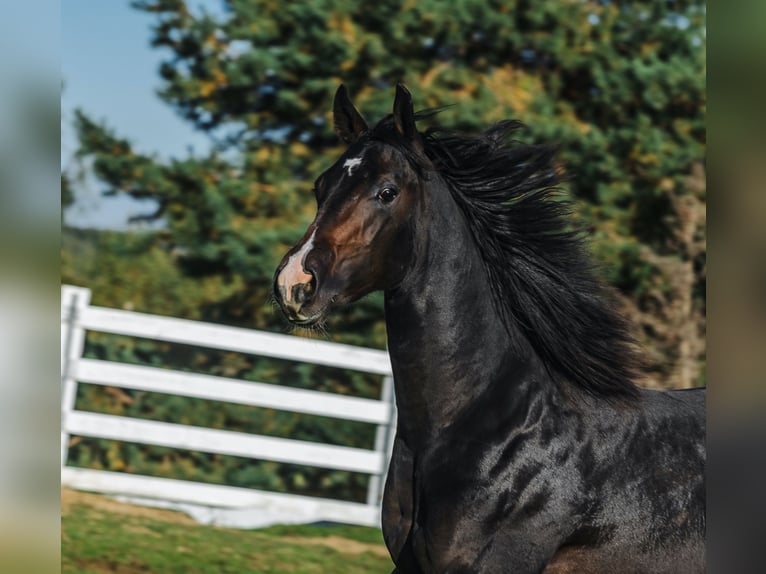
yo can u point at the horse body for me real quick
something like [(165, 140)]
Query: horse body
[(500, 463), (495, 469)]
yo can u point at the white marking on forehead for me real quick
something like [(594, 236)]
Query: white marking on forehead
[(350, 164)]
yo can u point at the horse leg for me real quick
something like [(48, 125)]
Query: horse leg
[(398, 499)]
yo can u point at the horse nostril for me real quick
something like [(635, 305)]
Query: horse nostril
[(311, 285), (303, 292)]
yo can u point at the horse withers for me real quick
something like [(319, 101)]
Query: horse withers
[(523, 443)]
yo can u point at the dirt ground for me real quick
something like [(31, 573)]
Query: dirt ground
[(99, 502), (343, 545)]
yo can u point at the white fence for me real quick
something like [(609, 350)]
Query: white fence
[(222, 505)]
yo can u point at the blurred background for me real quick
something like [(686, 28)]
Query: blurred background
[(191, 133)]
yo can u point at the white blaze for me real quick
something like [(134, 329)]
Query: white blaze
[(350, 164), (293, 273)]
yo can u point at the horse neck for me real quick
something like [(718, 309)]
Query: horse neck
[(449, 348)]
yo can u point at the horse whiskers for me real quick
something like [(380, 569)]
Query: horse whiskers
[(317, 329)]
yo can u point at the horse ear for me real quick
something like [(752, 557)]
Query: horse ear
[(349, 123), (404, 116)]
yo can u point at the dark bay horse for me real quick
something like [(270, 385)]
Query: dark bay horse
[(523, 443)]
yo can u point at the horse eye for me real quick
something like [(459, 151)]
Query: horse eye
[(387, 194)]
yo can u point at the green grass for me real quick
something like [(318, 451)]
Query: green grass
[(99, 537), (358, 533)]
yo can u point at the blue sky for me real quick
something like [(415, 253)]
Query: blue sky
[(110, 71)]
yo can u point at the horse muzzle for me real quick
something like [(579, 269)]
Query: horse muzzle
[(295, 286), (294, 290), (295, 299)]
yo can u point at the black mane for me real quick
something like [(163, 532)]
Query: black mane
[(542, 278)]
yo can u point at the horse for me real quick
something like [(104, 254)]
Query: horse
[(523, 441)]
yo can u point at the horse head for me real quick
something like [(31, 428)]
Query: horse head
[(361, 239)]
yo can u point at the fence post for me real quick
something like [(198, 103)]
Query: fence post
[(73, 301), (383, 443)]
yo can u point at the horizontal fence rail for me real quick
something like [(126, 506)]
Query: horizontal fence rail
[(212, 336), (224, 442), (219, 504), (233, 391)]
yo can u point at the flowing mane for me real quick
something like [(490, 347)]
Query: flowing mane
[(541, 276)]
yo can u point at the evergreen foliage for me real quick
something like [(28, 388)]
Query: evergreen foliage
[(618, 86)]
